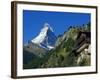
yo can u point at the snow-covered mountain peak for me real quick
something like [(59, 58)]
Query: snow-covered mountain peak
[(46, 37), (46, 27)]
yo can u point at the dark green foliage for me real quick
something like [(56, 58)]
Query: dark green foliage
[(30, 60), (62, 55)]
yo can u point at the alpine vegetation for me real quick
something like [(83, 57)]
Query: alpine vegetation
[(69, 49)]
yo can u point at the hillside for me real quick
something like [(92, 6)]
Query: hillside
[(63, 55)]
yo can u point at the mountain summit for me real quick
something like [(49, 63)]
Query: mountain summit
[(46, 38)]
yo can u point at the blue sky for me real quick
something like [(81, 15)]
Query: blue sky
[(33, 22)]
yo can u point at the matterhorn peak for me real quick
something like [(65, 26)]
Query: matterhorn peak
[(46, 37), (46, 27)]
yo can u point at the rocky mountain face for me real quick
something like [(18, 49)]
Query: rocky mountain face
[(47, 50), (46, 38)]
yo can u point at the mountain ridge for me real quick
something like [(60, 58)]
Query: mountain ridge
[(46, 37)]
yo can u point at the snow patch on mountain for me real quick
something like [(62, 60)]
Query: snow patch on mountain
[(46, 37)]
